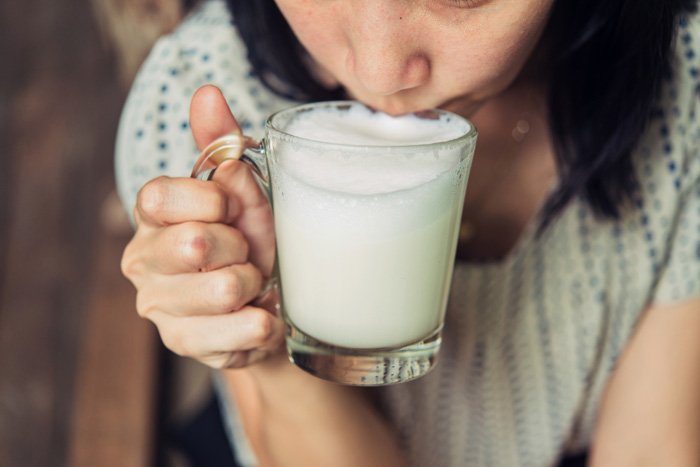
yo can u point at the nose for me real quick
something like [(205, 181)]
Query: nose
[(384, 54)]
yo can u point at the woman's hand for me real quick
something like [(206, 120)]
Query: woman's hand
[(202, 252)]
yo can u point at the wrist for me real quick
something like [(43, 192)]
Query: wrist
[(275, 399)]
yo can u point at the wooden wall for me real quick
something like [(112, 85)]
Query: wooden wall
[(69, 339)]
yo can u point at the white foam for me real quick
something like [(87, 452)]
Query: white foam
[(361, 126), (384, 164), (366, 174)]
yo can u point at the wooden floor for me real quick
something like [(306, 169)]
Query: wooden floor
[(71, 390)]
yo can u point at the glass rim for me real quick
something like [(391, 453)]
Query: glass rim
[(469, 135)]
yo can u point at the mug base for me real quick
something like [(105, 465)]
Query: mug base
[(362, 367)]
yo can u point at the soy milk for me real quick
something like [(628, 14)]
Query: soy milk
[(366, 234)]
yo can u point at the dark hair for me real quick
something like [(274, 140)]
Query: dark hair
[(606, 73), (607, 59), (275, 53)]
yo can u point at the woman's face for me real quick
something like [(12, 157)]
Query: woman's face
[(407, 55)]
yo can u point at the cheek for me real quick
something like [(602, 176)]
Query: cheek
[(315, 29), (486, 63)]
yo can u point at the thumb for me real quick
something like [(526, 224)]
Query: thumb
[(210, 116)]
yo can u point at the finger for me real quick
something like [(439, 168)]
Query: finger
[(204, 336), (195, 247), (210, 116), (199, 294), (255, 219), (165, 201)]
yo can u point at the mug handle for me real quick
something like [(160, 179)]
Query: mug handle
[(233, 146)]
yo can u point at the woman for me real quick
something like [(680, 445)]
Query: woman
[(574, 318)]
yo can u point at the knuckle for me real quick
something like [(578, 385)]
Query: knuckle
[(142, 309), (219, 204), (131, 264), (261, 328), (145, 308), (128, 266), (179, 341), (197, 246), (256, 276), (240, 242), (229, 291), (170, 341), (152, 197)]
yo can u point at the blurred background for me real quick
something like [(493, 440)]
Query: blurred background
[(83, 381)]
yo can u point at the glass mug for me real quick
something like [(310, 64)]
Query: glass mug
[(366, 238)]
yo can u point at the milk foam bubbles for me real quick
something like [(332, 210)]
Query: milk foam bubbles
[(360, 126), (366, 232), (361, 170)]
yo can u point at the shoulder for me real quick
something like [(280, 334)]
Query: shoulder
[(206, 49), (154, 136), (667, 214), (653, 251), (668, 158)]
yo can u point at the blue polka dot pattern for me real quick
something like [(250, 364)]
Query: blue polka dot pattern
[(154, 136), (530, 341)]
